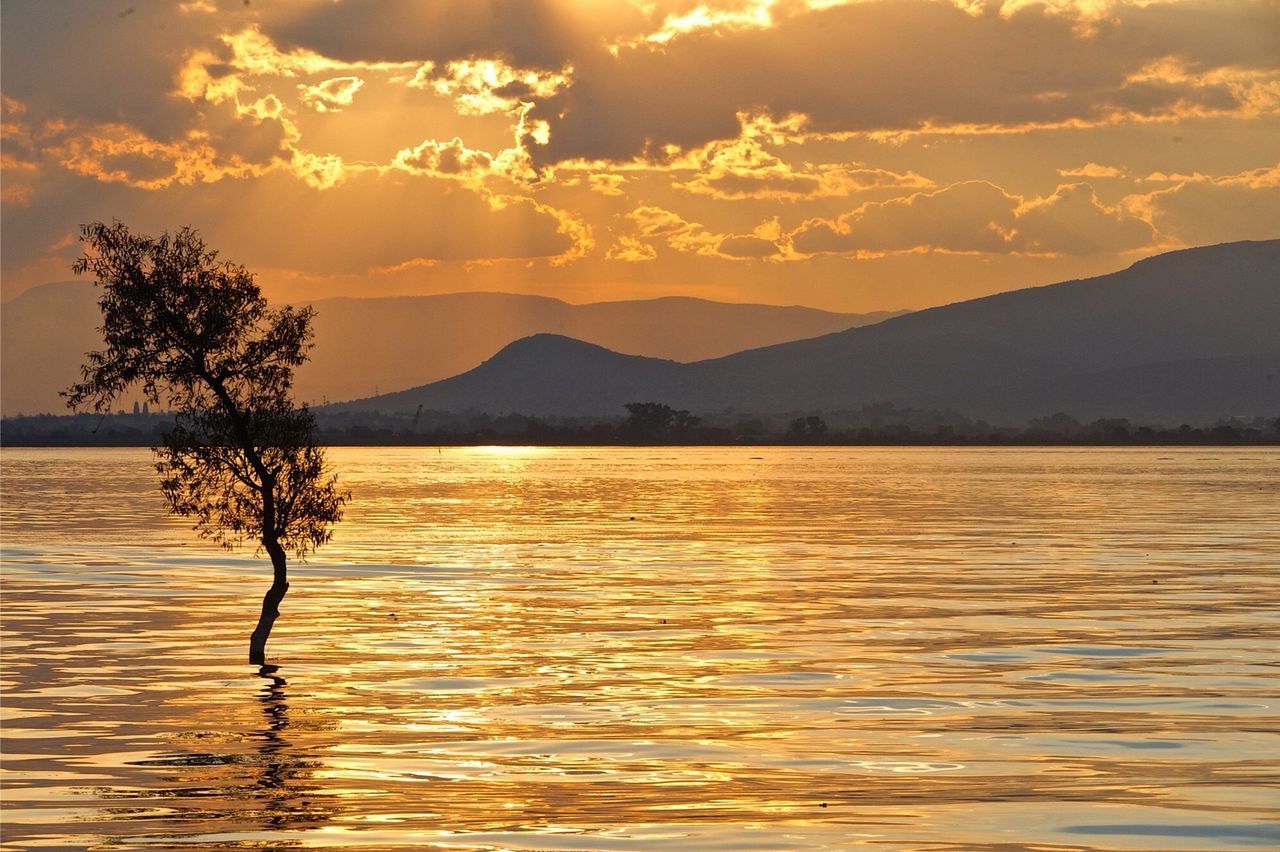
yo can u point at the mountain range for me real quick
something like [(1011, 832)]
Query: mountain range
[(366, 344), (1186, 336)]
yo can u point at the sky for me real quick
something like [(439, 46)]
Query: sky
[(855, 156)]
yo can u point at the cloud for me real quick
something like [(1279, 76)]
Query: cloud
[(20, 154), (630, 250), (705, 16), (656, 222), (746, 246), (88, 63), (1211, 209), (979, 217), (451, 158), (542, 34), (688, 237), (846, 70), (746, 168), (1092, 170), (608, 184), (1073, 221), (331, 95), (973, 216), (347, 229), (892, 137), (121, 153), (483, 86)]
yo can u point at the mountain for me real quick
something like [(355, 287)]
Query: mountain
[(542, 374), (401, 342), (391, 343), (1187, 335)]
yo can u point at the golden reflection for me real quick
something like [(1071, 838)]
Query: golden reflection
[(656, 647), (503, 450)]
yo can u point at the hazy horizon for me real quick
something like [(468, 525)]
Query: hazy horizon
[(367, 344), (1031, 352)]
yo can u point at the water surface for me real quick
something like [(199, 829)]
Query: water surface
[(638, 648)]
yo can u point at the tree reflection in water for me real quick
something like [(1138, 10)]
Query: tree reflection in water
[(282, 773), (262, 781)]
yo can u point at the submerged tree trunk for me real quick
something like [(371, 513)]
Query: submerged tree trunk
[(270, 604)]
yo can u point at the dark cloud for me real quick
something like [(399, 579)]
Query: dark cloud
[(529, 33), (252, 140), (1204, 33), (82, 60), (747, 247), (906, 65)]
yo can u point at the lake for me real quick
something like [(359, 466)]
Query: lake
[(627, 648)]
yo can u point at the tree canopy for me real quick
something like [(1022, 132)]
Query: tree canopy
[(196, 334)]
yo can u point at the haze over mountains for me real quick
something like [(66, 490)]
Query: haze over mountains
[(1187, 336), (363, 345)]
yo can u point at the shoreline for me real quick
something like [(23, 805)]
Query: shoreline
[(519, 441)]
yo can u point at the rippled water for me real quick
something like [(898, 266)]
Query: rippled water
[(657, 648)]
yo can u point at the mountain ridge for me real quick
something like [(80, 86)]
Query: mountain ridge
[(396, 342), (1205, 305)]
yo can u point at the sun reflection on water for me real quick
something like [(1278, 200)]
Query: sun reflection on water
[(619, 649)]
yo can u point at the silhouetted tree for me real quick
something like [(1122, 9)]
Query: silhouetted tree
[(649, 418), (655, 419), (807, 427), (241, 458), (682, 422)]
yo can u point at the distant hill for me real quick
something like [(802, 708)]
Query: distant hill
[(406, 341), (541, 374), (392, 343), (1186, 335)]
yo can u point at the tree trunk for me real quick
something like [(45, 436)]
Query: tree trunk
[(270, 605)]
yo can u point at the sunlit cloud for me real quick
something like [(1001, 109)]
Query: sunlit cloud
[(1092, 170), (1267, 177), (120, 153), (1073, 221), (743, 168), (1198, 208), (657, 146), (450, 159), (631, 250), (980, 217), (319, 171), (19, 156), (655, 223), (117, 153), (331, 95), (608, 184), (712, 16), (483, 86)]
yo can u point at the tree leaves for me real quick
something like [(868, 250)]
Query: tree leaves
[(197, 336)]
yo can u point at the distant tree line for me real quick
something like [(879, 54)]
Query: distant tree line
[(649, 422)]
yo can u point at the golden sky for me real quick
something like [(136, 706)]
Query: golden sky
[(873, 154)]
